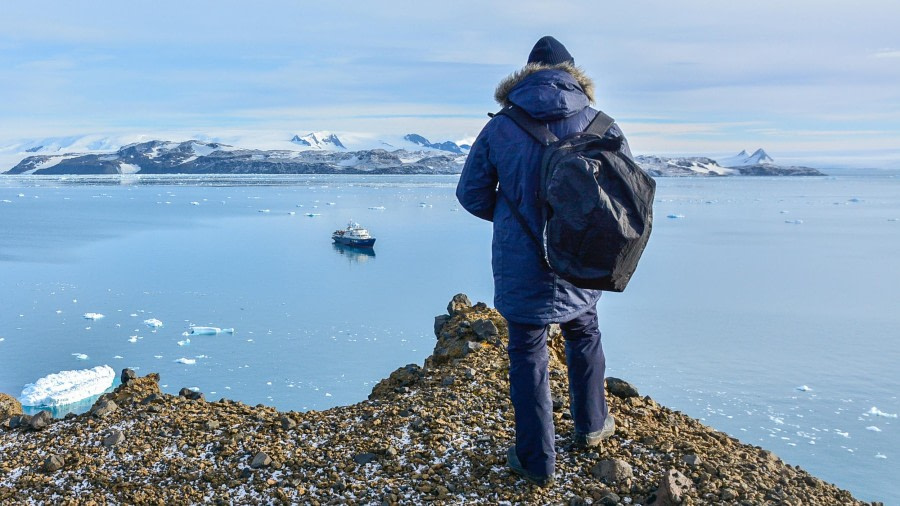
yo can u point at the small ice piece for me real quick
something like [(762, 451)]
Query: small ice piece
[(804, 388), (133, 339), (184, 343), (118, 356), (854, 199), (794, 222), (675, 216), (80, 356), (877, 412), (880, 456), (153, 323), (329, 203), (195, 203), (209, 331), (92, 316), (157, 356), (842, 434), (66, 387), (327, 394), (893, 219), (21, 195), (186, 361), (873, 428), (263, 211), (377, 208), (784, 212), (313, 215), (292, 213)]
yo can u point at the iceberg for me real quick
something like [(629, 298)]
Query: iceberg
[(66, 387), (186, 361), (804, 388), (80, 356), (153, 322), (877, 412), (209, 331)]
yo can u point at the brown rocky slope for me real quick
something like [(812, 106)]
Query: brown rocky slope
[(432, 434)]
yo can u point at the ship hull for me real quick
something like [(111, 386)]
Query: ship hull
[(359, 243)]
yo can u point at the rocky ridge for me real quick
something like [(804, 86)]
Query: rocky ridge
[(434, 433)]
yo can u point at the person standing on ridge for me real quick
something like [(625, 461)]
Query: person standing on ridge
[(551, 89)]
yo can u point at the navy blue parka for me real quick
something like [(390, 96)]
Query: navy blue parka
[(525, 290)]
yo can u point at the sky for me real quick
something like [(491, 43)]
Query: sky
[(803, 79)]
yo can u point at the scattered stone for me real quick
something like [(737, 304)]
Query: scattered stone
[(577, 501), (692, 460), (608, 498), (621, 388), (187, 393), (469, 373), (287, 423), (448, 381), (364, 458), (484, 329), (728, 494), (261, 459), (672, 490), (54, 463), (403, 377), (113, 438), (9, 407), (127, 376), (458, 304), (558, 402), (40, 421), (612, 470), (211, 425), (103, 407), (439, 322)]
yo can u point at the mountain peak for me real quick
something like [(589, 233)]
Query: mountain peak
[(319, 140), (449, 146), (742, 159)]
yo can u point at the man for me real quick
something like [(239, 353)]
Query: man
[(551, 89)]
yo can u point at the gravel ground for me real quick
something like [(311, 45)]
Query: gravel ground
[(432, 434)]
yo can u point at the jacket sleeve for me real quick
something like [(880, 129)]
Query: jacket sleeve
[(477, 188)]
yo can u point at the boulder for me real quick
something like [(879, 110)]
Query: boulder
[(54, 463), (672, 490), (128, 375), (402, 377), (103, 407), (113, 438), (9, 407), (261, 459), (484, 329), (439, 322), (612, 470), (364, 458), (458, 304), (40, 421), (621, 388)]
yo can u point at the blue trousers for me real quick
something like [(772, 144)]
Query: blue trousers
[(529, 385)]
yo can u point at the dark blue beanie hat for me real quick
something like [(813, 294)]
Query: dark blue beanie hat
[(549, 51)]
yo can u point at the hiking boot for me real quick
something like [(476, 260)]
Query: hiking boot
[(512, 462), (582, 440)]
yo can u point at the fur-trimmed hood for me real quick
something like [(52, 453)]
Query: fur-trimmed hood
[(501, 95)]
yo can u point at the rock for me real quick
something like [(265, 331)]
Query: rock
[(608, 498), (612, 470), (468, 373), (287, 423), (484, 329), (692, 460), (187, 393), (448, 381), (54, 463), (402, 377), (113, 438), (621, 388), (577, 501), (728, 494), (364, 458), (261, 459), (672, 490), (458, 304), (439, 322), (40, 421), (19, 421), (103, 408), (9, 407), (211, 425), (558, 402), (127, 376)]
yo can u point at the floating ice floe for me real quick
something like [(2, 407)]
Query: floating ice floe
[(195, 203), (153, 323), (675, 216), (873, 428), (118, 356), (877, 412), (186, 361), (184, 343), (893, 219), (804, 388), (291, 213), (794, 222), (80, 356), (209, 331), (313, 215), (880, 456), (92, 316), (66, 387), (133, 339), (264, 211), (377, 208)]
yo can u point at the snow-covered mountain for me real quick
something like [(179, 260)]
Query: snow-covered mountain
[(449, 146), (319, 140), (742, 159), (684, 166)]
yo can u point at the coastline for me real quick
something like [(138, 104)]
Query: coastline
[(437, 433)]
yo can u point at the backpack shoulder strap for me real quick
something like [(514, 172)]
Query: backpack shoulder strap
[(533, 127), (600, 124)]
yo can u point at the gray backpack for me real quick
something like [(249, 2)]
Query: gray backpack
[(596, 204)]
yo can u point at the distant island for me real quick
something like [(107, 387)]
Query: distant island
[(326, 153)]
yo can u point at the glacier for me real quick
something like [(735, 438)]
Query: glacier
[(67, 387)]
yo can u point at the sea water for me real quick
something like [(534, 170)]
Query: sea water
[(766, 307)]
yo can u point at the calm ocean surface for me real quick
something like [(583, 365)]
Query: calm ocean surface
[(769, 309)]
